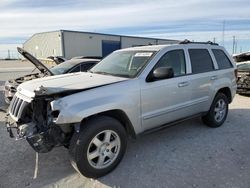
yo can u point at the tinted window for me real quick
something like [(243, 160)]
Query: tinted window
[(62, 68), (200, 60), (174, 59), (76, 69), (86, 66), (222, 59)]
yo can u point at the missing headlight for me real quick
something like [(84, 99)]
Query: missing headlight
[(55, 115)]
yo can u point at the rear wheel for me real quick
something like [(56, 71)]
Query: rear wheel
[(99, 147), (218, 111)]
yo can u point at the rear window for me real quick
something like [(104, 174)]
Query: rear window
[(222, 60), (200, 60)]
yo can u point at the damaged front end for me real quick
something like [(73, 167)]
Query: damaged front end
[(35, 121)]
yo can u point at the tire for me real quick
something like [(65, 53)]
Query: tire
[(99, 146), (218, 111)]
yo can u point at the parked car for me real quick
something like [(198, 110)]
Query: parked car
[(70, 66), (57, 59), (242, 57), (243, 82), (130, 92), (87, 57)]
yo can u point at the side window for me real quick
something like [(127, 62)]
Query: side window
[(200, 60), (222, 59), (86, 66), (174, 59), (75, 69)]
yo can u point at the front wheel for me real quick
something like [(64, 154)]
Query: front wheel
[(99, 147), (218, 111)]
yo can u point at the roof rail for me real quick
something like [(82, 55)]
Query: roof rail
[(190, 42)]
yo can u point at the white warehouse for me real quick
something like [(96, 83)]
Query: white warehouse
[(75, 43)]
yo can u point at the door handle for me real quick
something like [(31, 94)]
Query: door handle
[(183, 84), (213, 77)]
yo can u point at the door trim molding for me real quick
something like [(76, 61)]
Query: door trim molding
[(175, 108)]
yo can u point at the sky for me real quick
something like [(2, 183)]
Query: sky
[(170, 19)]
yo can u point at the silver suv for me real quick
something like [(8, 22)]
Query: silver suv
[(132, 91)]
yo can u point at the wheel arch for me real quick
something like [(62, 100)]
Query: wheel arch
[(226, 91), (118, 115)]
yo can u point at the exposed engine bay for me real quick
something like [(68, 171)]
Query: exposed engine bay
[(26, 78), (11, 85)]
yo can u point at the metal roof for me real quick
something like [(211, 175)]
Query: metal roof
[(93, 33)]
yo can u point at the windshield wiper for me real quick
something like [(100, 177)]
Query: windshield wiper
[(100, 72), (121, 75), (112, 74)]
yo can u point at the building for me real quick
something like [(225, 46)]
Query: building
[(74, 43)]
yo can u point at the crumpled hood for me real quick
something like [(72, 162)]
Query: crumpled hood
[(66, 82)]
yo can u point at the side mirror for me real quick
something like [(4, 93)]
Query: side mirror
[(162, 73)]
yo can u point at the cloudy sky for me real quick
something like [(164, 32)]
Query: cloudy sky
[(192, 19)]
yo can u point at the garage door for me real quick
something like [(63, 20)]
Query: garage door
[(109, 46)]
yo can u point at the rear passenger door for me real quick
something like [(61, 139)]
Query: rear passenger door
[(202, 77), (225, 72)]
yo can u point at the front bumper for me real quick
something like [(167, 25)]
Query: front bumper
[(244, 90), (41, 142), (12, 127), (8, 94)]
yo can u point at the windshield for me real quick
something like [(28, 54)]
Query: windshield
[(123, 63), (62, 68), (244, 67)]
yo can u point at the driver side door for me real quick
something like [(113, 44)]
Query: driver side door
[(164, 101)]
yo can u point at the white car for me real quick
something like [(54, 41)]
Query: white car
[(130, 92), (69, 66)]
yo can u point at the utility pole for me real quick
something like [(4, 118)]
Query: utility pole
[(214, 39), (236, 46), (223, 32), (8, 54), (233, 45)]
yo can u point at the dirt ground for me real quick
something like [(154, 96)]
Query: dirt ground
[(186, 155)]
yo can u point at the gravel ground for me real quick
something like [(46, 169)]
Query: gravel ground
[(186, 155)]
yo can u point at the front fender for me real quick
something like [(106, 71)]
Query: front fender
[(74, 108)]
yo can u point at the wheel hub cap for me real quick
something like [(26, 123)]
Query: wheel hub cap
[(220, 110), (103, 149)]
